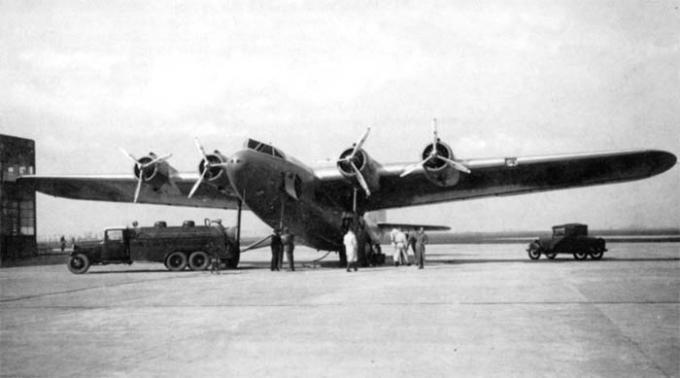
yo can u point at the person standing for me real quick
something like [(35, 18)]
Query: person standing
[(288, 240), (277, 249), (421, 241), (411, 237), (350, 241), (402, 243), (62, 242)]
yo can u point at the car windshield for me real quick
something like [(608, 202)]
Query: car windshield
[(263, 148), (559, 231)]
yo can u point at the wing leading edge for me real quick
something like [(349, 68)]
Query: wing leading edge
[(508, 176), (121, 188)]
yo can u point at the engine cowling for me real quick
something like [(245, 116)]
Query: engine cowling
[(364, 164), (155, 174), (215, 169), (437, 170)]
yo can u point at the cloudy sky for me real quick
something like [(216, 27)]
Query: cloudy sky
[(503, 78)]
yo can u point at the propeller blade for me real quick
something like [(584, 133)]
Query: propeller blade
[(129, 155), (198, 182), (156, 160), (411, 168), (139, 187), (456, 165), (436, 137), (201, 149), (359, 144), (361, 179)]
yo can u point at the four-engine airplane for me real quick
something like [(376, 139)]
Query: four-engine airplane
[(316, 204)]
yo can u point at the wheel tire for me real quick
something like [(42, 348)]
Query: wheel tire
[(551, 255), (199, 260), (580, 255), (176, 261), (534, 251), (534, 254), (78, 263), (596, 254)]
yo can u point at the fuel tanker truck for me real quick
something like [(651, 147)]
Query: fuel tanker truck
[(179, 247)]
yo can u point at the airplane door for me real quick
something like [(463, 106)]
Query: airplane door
[(114, 246)]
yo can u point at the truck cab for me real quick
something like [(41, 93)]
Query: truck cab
[(116, 246)]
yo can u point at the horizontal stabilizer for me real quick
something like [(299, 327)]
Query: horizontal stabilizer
[(385, 226)]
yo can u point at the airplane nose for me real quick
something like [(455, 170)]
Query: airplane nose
[(237, 170)]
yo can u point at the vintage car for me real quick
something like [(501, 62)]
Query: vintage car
[(568, 238)]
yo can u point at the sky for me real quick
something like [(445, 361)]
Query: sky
[(503, 78)]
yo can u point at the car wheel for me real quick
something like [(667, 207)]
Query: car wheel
[(176, 261), (534, 251), (551, 255), (580, 255), (78, 263), (534, 254), (199, 260), (596, 254)]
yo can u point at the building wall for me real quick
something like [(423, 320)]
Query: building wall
[(17, 203)]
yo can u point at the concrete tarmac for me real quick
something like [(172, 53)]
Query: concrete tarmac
[(475, 310)]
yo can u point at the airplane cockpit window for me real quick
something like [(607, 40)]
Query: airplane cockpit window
[(263, 148)]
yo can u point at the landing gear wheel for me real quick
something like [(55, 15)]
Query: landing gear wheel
[(596, 254), (199, 260), (176, 261), (78, 263), (551, 255), (580, 255)]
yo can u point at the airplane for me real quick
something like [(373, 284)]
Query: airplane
[(317, 204)]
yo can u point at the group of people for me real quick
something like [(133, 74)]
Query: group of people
[(282, 242), (285, 242), (401, 242)]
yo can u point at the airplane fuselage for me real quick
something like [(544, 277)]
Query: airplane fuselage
[(282, 192)]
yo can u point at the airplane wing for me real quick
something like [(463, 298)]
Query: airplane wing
[(502, 177), (121, 188)]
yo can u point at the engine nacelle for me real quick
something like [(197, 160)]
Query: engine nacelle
[(155, 174), (437, 170), (216, 173), (364, 163)]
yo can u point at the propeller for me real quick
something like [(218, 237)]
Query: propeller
[(434, 154), (349, 159), (142, 166), (207, 164)]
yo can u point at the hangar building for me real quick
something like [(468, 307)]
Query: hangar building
[(17, 203)]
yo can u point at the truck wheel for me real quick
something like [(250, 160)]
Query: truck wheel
[(78, 263), (199, 260), (580, 255), (596, 254), (550, 255), (176, 261)]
